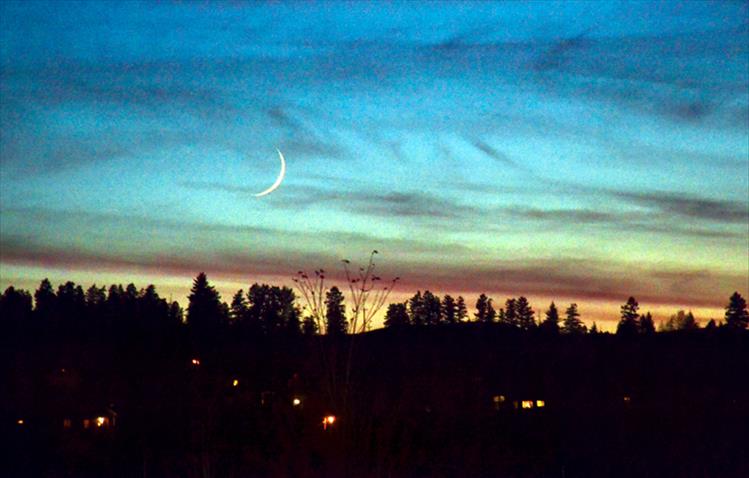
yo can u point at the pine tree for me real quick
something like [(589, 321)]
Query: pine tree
[(491, 314), (176, 315), (629, 324), (689, 322), (45, 299), (239, 308), (416, 312), (462, 310), (397, 316), (432, 308), (449, 310), (482, 308), (204, 312), (525, 314), (572, 324), (335, 313), (737, 317), (15, 308), (594, 329), (646, 324), (511, 317), (550, 325)]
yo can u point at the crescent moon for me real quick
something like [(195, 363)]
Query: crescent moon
[(275, 185)]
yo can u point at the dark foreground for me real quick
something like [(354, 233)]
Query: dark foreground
[(463, 400)]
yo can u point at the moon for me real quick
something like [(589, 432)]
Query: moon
[(275, 185)]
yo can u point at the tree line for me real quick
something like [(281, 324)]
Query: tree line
[(272, 310)]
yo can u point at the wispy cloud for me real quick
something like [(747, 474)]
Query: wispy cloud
[(690, 207)]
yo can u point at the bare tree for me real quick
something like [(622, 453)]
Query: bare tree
[(366, 300)]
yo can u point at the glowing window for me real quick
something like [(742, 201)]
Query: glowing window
[(627, 399), (195, 362), (20, 421), (540, 404), (86, 423), (498, 398), (101, 421), (296, 402), (527, 404), (235, 383), (67, 423)]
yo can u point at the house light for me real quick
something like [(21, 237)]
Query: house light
[(67, 423), (328, 421), (235, 383), (527, 404), (498, 398), (195, 362), (101, 421), (627, 399), (540, 404), (20, 421), (296, 402)]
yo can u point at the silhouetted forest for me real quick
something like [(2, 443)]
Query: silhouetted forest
[(118, 381)]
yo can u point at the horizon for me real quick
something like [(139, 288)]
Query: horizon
[(547, 150)]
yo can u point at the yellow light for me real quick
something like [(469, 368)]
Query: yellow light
[(100, 421), (328, 421), (195, 362), (20, 421), (498, 398), (540, 404), (235, 382), (527, 404), (296, 402), (627, 399)]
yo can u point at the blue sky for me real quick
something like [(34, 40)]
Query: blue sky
[(579, 151)]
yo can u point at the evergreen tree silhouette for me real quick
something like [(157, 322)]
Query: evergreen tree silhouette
[(71, 308), (482, 308), (680, 321), (449, 310), (629, 324), (737, 317), (646, 324), (572, 324), (689, 322), (397, 315), (550, 324), (432, 308), (176, 315), (204, 311), (309, 326), (524, 314), (462, 310), (416, 313), (491, 314), (511, 317), (594, 329), (335, 313), (15, 309), (96, 297), (45, 301), (711, 325), (239, 308), (152, 307)]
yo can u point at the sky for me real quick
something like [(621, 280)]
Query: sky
[(569, 151)]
